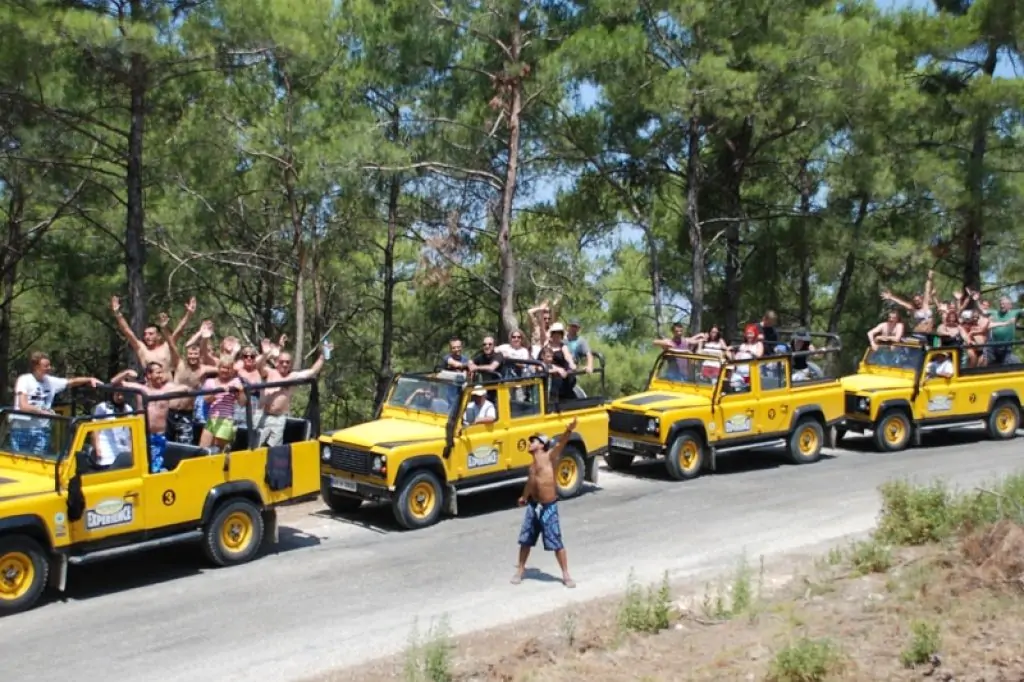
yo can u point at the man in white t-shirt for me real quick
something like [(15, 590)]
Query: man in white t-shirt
[(112, 442), (480, 410), (33, 394)]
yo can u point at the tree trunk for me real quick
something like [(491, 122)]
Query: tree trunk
[(802, 249), (736, 150), (974, 215), (697, 258), (11, 258), (387, 337), (846, 279), (654, 271), (506, 259), (135, 238)]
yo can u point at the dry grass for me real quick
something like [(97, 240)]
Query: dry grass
[(949, 607)]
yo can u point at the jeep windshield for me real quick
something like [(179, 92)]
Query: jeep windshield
[(424, 393), (898, 358), (692, 370), (33, 435)]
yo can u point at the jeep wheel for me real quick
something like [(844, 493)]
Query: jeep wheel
[(235, 533), (419, 502), (569, 472), (339, 503), (23, 573), (617, 461), (1004, 420), (892, 432), (685, 457), (806, 441)]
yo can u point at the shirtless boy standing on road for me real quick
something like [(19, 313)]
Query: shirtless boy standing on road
[(542, 497)]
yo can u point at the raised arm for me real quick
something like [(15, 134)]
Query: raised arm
[(205, 334), (172, 343), (929, 290), (889, 296), (317, 366), (190, 310), (556, 451), (125, 328)]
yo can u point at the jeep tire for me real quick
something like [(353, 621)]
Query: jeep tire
[(235, 533), (1004, 420), (23, 573), (806, 441), (893, 431), (339, 503), (569, 472), (685, 458), (419, 501)]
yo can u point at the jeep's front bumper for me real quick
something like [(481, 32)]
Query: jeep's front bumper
[(348, 485), (622, 444)]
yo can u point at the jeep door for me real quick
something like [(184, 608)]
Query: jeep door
[(939, 397), (113, 496), (481, 449), (736, 406)]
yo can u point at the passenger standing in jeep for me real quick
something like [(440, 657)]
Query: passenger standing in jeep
[(156, 386), (276, 402), (541, 498)]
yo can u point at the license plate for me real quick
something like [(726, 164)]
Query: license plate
[(343, 484), (622, 443)]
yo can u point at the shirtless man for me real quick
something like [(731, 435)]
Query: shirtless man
[(541, 497), (276, 402), (156, 385), (190, 372), (890, 331), (152, 348)]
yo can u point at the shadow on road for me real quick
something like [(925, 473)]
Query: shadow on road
[(727, 464), (379, 518), (155, 566), (864, 444)]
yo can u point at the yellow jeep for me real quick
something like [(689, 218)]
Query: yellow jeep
[(698, 406), (59, 507), (420, 455), (898, 395)]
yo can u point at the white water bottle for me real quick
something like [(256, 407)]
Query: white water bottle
[(325, 347)]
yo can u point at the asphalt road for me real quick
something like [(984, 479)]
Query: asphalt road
[(343, 591)]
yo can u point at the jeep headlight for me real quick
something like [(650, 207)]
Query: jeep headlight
[(653, 425), (378, 462), (325, 453), (864, 404)]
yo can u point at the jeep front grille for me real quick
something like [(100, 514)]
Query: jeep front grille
[(351, 460), (627, 422)]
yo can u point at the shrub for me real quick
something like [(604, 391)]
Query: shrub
[(645, 610), (430, 660), (806, 660), (924, 643)]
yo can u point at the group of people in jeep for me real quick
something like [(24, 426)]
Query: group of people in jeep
[(560, 349), (984, 332), (210, 420)]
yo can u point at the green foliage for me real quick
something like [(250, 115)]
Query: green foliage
[(806, 660), (925, 641), (870, 557), (647, 610), (740, 596), (430, 659), (919, 514)]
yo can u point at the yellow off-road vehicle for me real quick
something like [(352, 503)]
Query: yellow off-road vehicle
[(420, 454), (60, 507), (899, 393), (699, 406)]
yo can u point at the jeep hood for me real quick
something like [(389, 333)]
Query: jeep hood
[(388, 433), (660, 401), (866, 383), (15, 484)]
